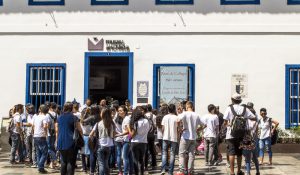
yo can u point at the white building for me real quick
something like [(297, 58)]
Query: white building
[(210, 48)]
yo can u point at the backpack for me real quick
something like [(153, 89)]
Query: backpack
[(238, 126), (52, 123), (274, 137), (151, 133)]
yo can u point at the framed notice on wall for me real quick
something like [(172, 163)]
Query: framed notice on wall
[(239, 84)]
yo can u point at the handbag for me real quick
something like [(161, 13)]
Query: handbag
[(78, 139)]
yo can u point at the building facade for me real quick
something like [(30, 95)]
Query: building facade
[(153, 51)]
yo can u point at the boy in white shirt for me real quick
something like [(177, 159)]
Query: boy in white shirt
[(211, 132), (190, 121), (170, 134)]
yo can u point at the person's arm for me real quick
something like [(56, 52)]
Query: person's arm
[(132, 132), (45, 127), (276, 123), (56, 131), (79, 128)]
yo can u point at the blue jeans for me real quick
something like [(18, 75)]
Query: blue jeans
[(41, 147), (248, 154), (173, 146), (51, 148), (16, 145), (119, 146), (127, 158), (265, 143), (103, 158), (93, 159)]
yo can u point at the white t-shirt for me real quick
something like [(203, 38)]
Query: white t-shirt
[(141, 130), (159, 134), (126, 122), (229, 116), (118, 130), (16, 119), (51, 122), (77, 114), (39, 121), (190, 121), (106, 139), (29, 120), (265, 128), (170, 124), (86, 129), (212, 125), (148, 114)]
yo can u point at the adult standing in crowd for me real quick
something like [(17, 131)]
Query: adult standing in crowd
[(139, 128), (65, 128), (266, 131), (233, 144), (15, 130), (170, 134), (30, 113), (40, 129), (52, 119), (190, 121)]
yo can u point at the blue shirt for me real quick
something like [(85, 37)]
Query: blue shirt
[(65, 131)]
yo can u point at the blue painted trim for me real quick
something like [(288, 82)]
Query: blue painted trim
[(108, 54), (155, 103), (1, 2), (108, 2), (29, 65), (41, 3), (293, 2), (172, 2), (288, 67), (240, 2)]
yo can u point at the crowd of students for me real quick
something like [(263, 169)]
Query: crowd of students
[(117, 136)]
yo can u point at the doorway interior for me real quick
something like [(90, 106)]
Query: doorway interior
[(108, 76)]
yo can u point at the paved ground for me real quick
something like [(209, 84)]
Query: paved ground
[(284, 164)]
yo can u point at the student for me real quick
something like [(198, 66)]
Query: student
[(266, 131), (105, 131), (52, 119), (40, 129), (162, 112), (249, 145), (233, 144), (170, 134), (211, 133), (220, 137), (118, 120), (16, 134), (139, 128), (76, 110), (87, 104), (190, 121), (65, 128), (151, 137), (28, 132)]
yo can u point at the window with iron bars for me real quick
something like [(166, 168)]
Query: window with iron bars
[(45, 82)]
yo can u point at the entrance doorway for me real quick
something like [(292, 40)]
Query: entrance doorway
[(108, 76)]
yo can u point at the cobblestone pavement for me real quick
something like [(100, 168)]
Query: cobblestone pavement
[(283, 164)]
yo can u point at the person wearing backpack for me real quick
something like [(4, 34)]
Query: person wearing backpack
[(235, 119), (150, 137), (52, 119), (266, 132), (15, 130), (170, 133)]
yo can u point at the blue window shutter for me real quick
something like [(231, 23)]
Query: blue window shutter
[(293, 2), (109, 2), (240, 2), (42, 3), (173, 2)]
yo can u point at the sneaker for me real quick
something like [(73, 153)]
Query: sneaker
[(43, 171), (163, 172), (12, 162), (33, 166), (228, 165)]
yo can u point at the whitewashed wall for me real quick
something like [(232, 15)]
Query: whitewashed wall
[(257, 40), (216, 57)]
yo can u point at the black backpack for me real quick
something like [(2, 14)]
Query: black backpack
[(52, 124), (238, 123), (274, 137), (151, 133)]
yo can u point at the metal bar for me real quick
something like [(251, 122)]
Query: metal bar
[(298, 86), (31, 84), (53, 83), (58, 86), (36, 89), (39, 78), (290, 110)]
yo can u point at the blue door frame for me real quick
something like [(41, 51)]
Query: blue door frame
[(155, 98), (108, 54)]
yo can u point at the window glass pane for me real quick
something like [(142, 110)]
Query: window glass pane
[(294, 76), (294, 117), (294, 90), (294, 104), (173, 84)]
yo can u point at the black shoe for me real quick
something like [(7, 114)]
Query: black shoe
[(43, 171), (240, 173), (257, 173)]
